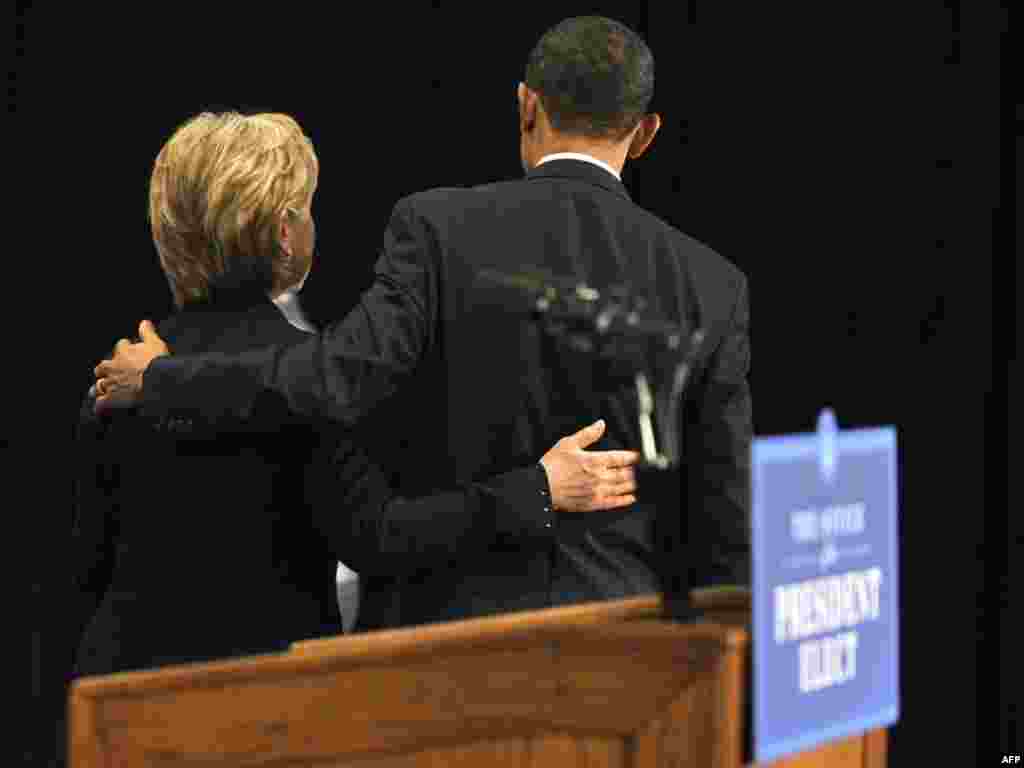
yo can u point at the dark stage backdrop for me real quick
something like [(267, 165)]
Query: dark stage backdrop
[(843, 157)]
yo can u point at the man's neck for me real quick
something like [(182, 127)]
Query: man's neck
[(611, 155), (580, 156)]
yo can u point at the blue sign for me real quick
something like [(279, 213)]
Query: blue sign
[(825, 590)]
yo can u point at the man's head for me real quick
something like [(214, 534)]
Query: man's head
[(229, 204), (589, 82)]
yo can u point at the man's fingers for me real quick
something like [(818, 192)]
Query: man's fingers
[(110, 396), (612, 459), (587, 435), (622, 488), (121, 343), (606, 464), (148, 334), (630, 458), (610, 502), (101, 370), (618, 475)]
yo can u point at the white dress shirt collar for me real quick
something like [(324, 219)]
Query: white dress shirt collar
[(580, 156), (288, 303)]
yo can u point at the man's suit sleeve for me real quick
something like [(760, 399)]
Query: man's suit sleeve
[(337, 374), (373, 529), (717, 437)]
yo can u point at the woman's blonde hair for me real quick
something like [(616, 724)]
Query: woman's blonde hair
[(220, 187)]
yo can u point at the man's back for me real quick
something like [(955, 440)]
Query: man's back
[(492, 391)]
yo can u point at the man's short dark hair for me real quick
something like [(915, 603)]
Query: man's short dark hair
[(594, 76)]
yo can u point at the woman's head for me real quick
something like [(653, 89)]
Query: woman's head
[(229, 204)]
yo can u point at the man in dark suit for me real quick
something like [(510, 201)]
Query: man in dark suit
[(477, 390)]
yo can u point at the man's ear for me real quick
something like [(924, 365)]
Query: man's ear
[(644, 135), (527, 108)]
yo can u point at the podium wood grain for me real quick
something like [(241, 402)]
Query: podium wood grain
[(605, 684)]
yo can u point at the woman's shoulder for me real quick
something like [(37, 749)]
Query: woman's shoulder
[(201, 331)]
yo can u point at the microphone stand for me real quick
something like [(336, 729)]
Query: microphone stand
[(618, 327)]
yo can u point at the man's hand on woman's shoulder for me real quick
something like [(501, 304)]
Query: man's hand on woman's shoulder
[(119, 379)]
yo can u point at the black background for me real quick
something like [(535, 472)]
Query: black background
[(845, 156)]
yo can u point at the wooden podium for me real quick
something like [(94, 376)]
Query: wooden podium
[(601, 684)]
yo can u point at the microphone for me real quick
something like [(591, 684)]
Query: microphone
[(617, 311)]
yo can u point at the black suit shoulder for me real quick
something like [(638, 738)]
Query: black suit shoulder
[(442, 208), (197, 329)]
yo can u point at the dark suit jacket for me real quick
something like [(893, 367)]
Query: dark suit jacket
[(191, 545), (480, 390)]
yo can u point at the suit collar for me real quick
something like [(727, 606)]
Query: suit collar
[(579, 171), (288, 305), (236, 300)]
